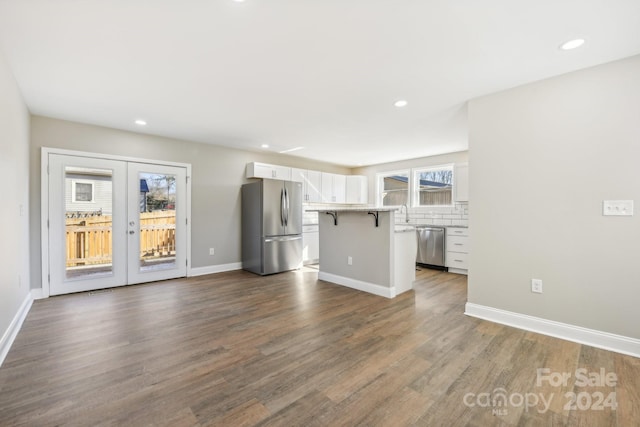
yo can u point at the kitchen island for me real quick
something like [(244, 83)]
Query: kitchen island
[(362, 248)]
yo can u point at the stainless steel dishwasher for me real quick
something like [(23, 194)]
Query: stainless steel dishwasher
[(430, 246)]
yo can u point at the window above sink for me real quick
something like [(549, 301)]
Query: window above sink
[(392, 188), (433, 186)]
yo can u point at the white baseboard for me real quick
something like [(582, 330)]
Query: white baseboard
[(607, 341), (14, 327), (37, 294), (371, 288), (211, 269)]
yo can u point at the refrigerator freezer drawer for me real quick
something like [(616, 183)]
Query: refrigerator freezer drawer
[(281, 254)]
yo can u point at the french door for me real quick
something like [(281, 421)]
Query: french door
[(114, 223)]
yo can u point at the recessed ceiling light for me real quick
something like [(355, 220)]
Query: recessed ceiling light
[(265, 145), (141, 122), (401, 103), (572, 44), (291, 149)]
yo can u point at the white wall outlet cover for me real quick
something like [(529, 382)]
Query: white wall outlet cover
[(617, 208), (212, 251), (536, 286)]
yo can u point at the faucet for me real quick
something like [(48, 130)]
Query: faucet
[(406, 212)]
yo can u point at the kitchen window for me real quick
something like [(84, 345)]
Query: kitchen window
[(433, 186), (393, 188)]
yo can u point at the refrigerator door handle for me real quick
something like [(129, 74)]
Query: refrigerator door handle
[(282, 207), (282, 239), (286, 215)]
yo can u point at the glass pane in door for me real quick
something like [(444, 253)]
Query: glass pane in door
[(157, 203), (88, 194)]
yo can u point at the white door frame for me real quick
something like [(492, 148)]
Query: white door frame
[(44, 202)]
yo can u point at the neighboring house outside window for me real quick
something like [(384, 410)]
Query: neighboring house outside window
[(82, 191), (393, 188), (433, 186)]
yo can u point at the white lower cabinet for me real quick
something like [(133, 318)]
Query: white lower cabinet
[(457, 247), (310, 244)]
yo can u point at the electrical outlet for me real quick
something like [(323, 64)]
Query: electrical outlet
[(349, 260), (536, 286), (617, 208), (212, 251)]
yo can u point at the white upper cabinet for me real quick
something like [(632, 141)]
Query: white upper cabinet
[(357, 189), (311, 184), (334, 188), (298, 175), (317, 187), (461, 182), (263, 170), (314, 186), (340, 188)]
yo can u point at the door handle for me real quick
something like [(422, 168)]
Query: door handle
[(282, 206), (132, 232), (282, 239), (286, 198)]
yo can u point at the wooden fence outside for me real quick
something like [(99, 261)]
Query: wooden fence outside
[(89, 240)]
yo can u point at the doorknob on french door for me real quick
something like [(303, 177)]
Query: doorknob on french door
[(131, 232)]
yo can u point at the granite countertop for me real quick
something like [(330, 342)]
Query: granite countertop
[(404, 228), (441, 226), (359, 209)]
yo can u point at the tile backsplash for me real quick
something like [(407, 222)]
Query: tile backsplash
[(456, 215), (309, 217), (312, 217)]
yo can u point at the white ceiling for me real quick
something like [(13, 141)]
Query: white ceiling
[(321, 74)]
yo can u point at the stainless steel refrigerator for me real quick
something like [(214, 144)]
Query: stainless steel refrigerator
[(271, 226)]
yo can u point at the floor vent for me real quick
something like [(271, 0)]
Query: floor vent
[(100, 291)]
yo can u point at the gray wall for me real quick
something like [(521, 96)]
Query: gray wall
[(218, 173), (14, 223), (558, 148), (356, 236)]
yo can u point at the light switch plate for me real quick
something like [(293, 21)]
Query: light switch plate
[(617, 208)]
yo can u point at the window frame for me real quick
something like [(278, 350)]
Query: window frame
[(380, 186), (73, 190), (415, 186)]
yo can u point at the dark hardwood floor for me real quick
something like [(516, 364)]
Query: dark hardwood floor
[(235, 349)]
